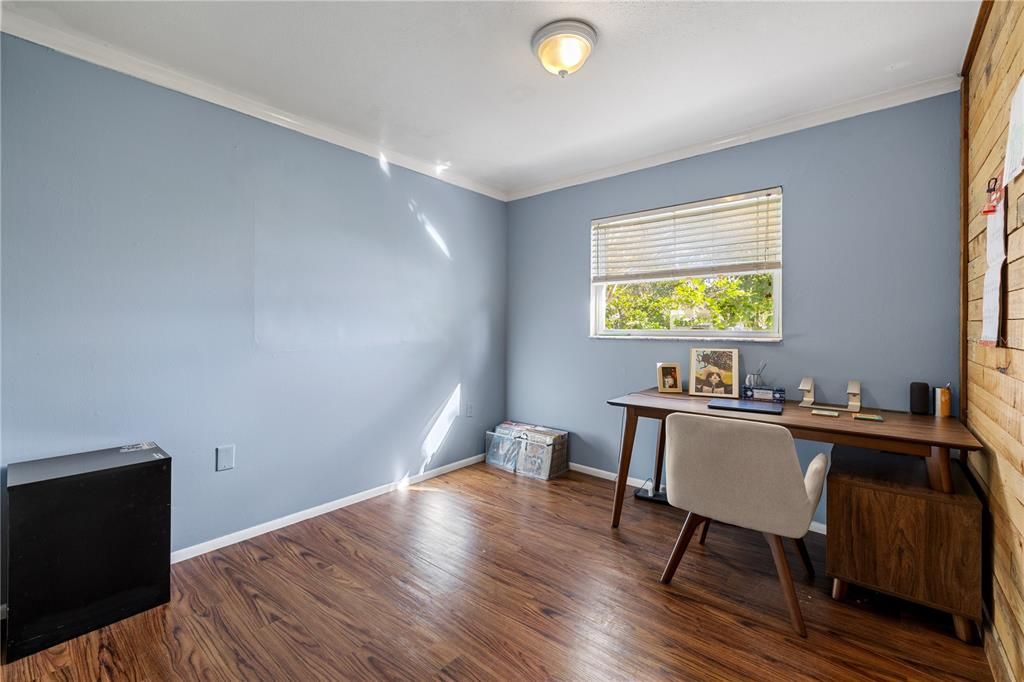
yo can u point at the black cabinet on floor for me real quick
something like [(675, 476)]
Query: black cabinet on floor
[(89, 543)]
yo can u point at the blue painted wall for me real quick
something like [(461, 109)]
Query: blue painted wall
[(870, 279), (175, 271)]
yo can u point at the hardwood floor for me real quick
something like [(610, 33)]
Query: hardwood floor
[(481, 575)]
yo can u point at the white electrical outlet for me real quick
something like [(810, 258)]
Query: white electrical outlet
[(469, 409), (225, 457)]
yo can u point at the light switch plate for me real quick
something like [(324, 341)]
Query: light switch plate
[(225, 457)]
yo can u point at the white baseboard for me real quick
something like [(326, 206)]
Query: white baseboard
[(245, 534), (607, 475), (816, 526)]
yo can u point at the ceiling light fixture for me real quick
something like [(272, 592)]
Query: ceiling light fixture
[(563, 46)]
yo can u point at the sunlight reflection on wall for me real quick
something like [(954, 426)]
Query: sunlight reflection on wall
[(442, 426)]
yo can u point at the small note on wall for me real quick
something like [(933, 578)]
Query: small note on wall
[(1013, 163), (995, 254)]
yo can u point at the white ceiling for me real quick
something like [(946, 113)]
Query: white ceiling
[(430, 82)]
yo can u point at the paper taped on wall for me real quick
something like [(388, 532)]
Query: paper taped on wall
[(995, 254), (1013, 162)]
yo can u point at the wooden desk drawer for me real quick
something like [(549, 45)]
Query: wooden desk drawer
[(887, 530)]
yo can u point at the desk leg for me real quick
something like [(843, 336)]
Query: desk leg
[(659, 459), (940, 477), (628, 436)]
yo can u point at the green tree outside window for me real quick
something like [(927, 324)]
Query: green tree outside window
[(722, 302)]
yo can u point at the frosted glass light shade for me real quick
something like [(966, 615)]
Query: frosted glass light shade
[(563, 46)]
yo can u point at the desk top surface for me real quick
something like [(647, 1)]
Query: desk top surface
[(901, 426)]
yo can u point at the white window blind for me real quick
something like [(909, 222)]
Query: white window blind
[(740, 233)]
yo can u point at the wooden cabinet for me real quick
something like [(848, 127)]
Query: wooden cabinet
[(890, 531)]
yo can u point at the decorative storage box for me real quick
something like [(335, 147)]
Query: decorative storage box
[(503, 450), (529, 450)]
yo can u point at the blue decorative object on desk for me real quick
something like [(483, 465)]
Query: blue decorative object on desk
[(775, 395)]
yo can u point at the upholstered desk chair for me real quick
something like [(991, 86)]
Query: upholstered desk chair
[(746, 474)]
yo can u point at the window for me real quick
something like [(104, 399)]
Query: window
[(708, 269)]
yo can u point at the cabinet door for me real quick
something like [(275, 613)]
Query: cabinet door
[(910, 546)]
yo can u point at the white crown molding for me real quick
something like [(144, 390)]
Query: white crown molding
[(97, 52), (251, 532), (91, 50), (790, 124)]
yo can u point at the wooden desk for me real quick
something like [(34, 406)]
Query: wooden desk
[(930, 438)]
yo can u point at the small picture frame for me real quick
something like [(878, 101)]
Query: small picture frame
[(670, 377), (714, 372)]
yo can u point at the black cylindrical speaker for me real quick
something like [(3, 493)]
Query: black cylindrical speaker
[(919, 398)]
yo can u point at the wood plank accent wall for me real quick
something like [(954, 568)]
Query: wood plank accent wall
[(994, 377)]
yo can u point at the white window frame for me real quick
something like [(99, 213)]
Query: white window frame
[(599, 331)]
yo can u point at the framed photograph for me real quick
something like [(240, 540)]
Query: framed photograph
[(670, 378), (714, 372)]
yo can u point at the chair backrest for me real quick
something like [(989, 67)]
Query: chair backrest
[(740, 472)]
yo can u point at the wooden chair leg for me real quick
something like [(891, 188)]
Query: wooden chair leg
[(689, 527), (786, 581), (704, 531), (805, 556), (839, 589)]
